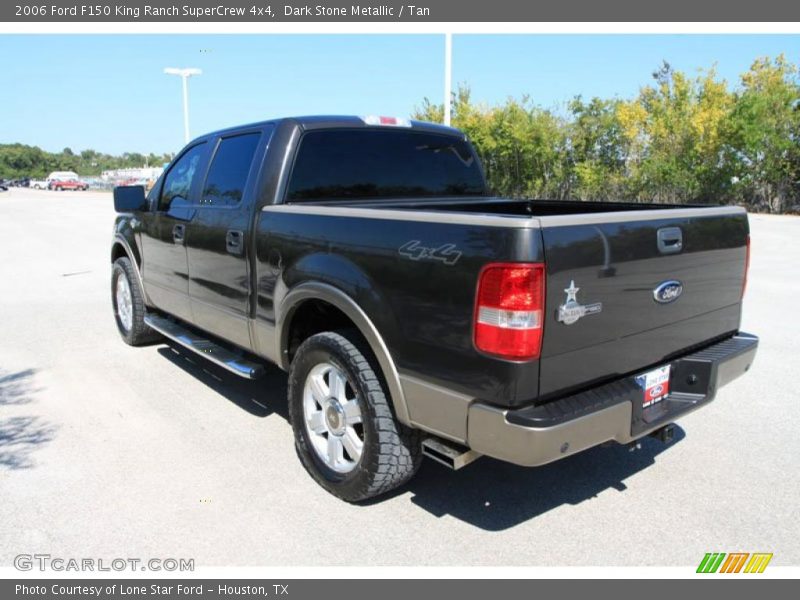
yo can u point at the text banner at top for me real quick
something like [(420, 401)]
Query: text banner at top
[(49, 11)]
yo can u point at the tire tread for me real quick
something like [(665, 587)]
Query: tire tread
[(140, 334), (398, 451)]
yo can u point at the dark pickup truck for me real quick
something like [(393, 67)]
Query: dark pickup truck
[(415, 313)]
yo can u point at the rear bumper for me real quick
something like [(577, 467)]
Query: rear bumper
[(541, 434)]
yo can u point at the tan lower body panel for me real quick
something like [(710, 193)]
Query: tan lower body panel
[(435, 409), (485, 429), (490, 434)]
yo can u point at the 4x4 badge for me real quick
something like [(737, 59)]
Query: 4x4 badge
[(572, 310)]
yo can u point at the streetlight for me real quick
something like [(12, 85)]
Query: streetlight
[(448, 75), (184, 75)]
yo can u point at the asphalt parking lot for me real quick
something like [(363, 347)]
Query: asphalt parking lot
[(112, 451)]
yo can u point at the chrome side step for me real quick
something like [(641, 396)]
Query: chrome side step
[(447, 453), (204, 347)]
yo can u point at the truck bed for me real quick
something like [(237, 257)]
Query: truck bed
[(609, 250), (516, 207)]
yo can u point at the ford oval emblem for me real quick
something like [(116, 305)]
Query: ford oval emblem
[(668, 291)]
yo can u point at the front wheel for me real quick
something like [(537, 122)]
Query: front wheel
[(127, 299), (345, 433)]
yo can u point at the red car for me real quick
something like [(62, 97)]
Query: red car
[(68, 184)]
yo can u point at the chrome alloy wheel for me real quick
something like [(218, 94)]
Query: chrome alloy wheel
[(333, 418), (124, 302)]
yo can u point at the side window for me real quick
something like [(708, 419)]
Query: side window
[(152, 195), (178, 181), (229, 169)]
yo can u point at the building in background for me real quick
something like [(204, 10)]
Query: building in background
[(145, 176), (145, 173)]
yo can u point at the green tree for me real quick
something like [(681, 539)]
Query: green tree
[(597, 150), (521, 146), (764, 134), (674, 135), (19, 160)]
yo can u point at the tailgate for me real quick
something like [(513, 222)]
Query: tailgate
[(628, 290)]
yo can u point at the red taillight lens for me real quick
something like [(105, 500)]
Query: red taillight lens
[(746, 264), (509, 310)]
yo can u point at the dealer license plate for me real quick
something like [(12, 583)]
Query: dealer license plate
[(655, 385)]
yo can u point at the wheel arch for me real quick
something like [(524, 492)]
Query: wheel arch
[(120, 247), (312, 291)]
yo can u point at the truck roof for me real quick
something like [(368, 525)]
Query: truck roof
[(312, 122)]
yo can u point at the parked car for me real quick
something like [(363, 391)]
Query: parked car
[(3, 186), (62, 175), (39, 184), (416, 314), (68, 184)]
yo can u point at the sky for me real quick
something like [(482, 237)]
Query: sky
[(109, 93)]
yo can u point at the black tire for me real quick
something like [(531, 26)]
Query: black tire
[(139, 333), (391, 453)]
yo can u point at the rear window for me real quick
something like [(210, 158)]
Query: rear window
[(229, 169), (373, 163)]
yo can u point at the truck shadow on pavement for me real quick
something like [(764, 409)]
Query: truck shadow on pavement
[(20, 436), (260, 398), (495, 495), (488, 494)]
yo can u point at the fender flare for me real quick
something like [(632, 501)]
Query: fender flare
[(312, 290), (119, 240)]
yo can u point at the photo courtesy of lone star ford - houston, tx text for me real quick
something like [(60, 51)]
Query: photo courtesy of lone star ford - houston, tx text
[(298, 295)]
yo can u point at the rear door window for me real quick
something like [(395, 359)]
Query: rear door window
[(229, 170)]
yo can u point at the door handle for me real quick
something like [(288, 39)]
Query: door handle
[(670, 240), (178, 232), (234, 241)]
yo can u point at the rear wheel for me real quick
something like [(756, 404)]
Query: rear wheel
[(128, 302), (345, 433)]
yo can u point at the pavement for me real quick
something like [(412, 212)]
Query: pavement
[(111, 451)]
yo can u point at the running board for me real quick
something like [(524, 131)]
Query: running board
[(204, 347)]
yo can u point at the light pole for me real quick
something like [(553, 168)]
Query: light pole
[(184, 75), (448, 75)]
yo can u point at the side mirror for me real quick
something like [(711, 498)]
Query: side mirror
[(129, 198)]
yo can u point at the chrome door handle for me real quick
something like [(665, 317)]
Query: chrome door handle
[(234, 241), (670, 240)]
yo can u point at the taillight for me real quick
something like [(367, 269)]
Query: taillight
[(746, 264), (509, 310)]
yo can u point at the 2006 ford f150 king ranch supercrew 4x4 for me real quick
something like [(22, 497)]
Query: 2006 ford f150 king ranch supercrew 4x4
[(415, 313)]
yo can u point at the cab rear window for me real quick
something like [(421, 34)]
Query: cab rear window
[(375, 163)]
